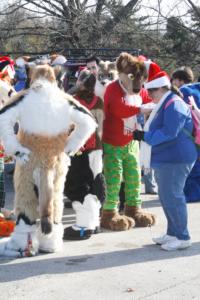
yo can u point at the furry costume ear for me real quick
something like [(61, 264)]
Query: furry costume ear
[(104, 65)]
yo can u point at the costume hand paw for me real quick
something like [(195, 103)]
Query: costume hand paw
[(138, 135), (22, 155), (71, 148)]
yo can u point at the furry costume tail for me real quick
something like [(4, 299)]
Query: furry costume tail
[(45, 188)]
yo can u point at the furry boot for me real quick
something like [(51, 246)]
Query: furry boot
[(22, 243), (51, 242), (87, 219), (142, 218), (111, 219)]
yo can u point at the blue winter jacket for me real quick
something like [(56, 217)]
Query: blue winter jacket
[(167, 133), (192, 89)]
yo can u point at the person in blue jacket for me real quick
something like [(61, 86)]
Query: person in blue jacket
[(20, 78), (183, 78), (172, 155)]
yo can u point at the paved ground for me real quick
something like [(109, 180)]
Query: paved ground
[(108, 266)]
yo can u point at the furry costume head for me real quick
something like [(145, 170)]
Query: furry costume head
[(107, 72), (86, 80), (132, 72), (6, 75), (6, 91), (85, 85), (44, 72)]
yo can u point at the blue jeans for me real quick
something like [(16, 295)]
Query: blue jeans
[(149, 182), (171, 180)]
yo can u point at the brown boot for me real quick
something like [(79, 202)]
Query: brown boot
[(111, 219), (142, 218)]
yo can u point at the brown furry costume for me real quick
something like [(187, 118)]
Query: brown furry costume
[(122, 103), (45, 115)]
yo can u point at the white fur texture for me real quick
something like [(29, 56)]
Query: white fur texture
[(52, 242), (87, 214), (130, 124), (99, 89), (86, 125), (45, 111), (96, 162), (17, 243)]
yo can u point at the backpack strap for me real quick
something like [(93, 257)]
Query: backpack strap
[(186, 132), (168, 103), (172, 100)]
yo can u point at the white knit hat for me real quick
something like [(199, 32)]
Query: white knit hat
[(59, 60)]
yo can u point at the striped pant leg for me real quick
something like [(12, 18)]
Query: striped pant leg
[(132, 174), (113, 174)]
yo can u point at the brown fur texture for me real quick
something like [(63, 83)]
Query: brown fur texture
[(142, 218), (111, 219), (44, 147), (49, 162), (129, 64), (99, 116), (45, 72)]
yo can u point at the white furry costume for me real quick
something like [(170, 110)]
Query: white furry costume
[(45, 115)]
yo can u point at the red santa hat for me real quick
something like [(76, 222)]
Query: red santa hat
[(157, 78), (152, 68)]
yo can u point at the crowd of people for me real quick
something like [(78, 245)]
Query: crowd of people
[(144, 119)]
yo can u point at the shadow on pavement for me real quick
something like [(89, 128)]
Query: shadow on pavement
[(23, 268)]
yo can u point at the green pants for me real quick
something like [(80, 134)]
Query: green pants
[(122, 162)]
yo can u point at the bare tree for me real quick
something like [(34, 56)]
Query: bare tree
[(166, 31), (68, 23)]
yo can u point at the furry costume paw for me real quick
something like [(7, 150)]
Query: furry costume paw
[(52, 242), (23, 241), (111, 219), (87, 219), (77, 233), (142, 218)]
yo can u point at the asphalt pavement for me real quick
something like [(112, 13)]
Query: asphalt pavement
[(108, 266)]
